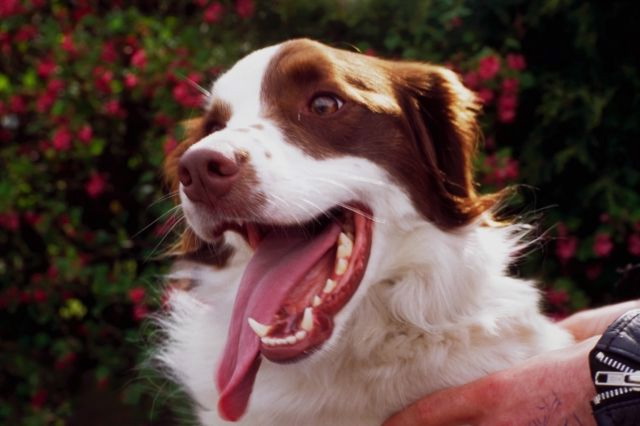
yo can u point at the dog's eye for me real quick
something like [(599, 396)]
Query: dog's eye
[(325, 104), (211, 126)]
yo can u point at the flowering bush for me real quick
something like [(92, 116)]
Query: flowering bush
[(91, 94)]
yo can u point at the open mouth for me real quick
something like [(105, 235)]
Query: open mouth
[(298, 279)]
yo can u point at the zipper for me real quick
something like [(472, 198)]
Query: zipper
[(625, 379)]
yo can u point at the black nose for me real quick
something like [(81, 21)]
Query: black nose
[(206, 175)]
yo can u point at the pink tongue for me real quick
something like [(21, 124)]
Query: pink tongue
[(281, 260)]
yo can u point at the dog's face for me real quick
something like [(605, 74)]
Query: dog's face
[(305, 149)]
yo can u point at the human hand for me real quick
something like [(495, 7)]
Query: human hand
[(553, 388)]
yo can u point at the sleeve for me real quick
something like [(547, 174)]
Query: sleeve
[(615, 369)]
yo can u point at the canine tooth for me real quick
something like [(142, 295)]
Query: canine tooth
[(341, 266), (301, 334), (316, 301), (329, 286), (307, 319), (345, 246), (260, 329), (266, 340), (291, 340)]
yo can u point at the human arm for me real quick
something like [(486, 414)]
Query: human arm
[(553, 388), (523, 394)]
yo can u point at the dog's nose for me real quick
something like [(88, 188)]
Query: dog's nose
[(206, 175)]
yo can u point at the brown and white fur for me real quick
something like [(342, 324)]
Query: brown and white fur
[(435, 307)]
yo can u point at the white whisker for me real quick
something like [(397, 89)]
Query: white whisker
[(172, 210)]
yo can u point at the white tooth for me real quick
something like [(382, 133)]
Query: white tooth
[(260, 329), (301, 334), (345, 246), (341, 266), (278, 341), (267, 341), (316, 301), (329, 286), (291, 340), (307, 319)]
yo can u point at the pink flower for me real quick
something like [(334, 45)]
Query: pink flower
[(140, 312), (169, 145), (557, 297), (10, 220), (507, 105), (162, 120), (485, 95), (45, 67), (566, 248), (10, 7), (67, 44), (471, 80), (25, 33), (39, 398), (53, 272), (602, 245), (510, 86), (61, 139), (130, 80), (45, 101), (95, 185), (633, 244), (213, 13), (114, 109), (516, 62), (136, 295), (109, 53), (102, 79), (244, 8), (32, 218), (139, 59), (488, 67), (186, 95), (55, 85), (85, 134), (17, 104), (39, 295)]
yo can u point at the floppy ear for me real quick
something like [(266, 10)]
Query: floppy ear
[(441, 115)]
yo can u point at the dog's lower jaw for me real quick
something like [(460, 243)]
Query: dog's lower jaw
[(401, 339)]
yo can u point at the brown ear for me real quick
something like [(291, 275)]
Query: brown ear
[(188, 241), (441, 114)]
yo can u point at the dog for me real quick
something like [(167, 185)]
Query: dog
[(338, 263)]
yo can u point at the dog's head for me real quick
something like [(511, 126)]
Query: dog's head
[(302, 149)]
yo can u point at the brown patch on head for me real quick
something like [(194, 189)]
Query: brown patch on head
[(415, 120)]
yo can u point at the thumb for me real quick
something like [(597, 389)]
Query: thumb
[(448, 407)]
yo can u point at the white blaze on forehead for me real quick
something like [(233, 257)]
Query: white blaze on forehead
[(241, 86)]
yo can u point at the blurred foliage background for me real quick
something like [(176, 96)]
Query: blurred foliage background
[(91, 97)]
